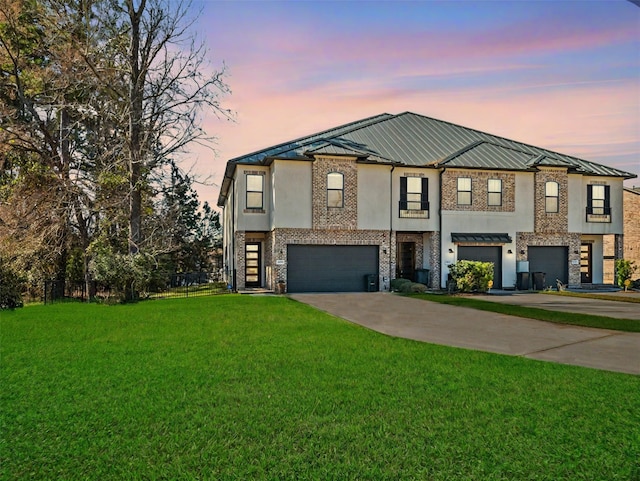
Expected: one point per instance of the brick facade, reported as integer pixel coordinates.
(479, 182)
(570, 240)
(629, 247)
(325, 217)
(283, 237)
(551, 222)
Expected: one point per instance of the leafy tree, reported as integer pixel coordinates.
(96, 99)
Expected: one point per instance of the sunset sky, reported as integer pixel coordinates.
(564, 75)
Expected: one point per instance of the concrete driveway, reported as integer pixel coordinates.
(483, 331)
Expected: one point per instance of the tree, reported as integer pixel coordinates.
(168, 85)
(96, 99)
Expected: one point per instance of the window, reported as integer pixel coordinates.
(598, 203)
(414, 197)
(464, 191)
(551, 190)
(335, 190)
(494, 192)
(255, 187)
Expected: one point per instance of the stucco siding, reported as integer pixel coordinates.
(373, 197)
(292, 194)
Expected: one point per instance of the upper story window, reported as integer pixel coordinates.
(335, 189)
(414, 197)
(551, 195)
(598, 203)
(255, 191)
(494, 192)
(464, 191)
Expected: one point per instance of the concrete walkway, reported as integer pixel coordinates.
(484, 331)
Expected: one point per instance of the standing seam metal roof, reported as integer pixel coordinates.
(416, 140)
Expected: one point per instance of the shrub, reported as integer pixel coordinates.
(397, 284)
(624, 271)
(417, 287)
(11, 287)
(472, 276)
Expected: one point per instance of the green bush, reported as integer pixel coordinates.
(130, 276)
(472, 276)
(11, 287)
(397, 284)
(417, 287)
(624, 270)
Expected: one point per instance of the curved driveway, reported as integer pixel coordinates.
(483, 331)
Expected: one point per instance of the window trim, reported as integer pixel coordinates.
(261, 192)
(460, 191)
(547, 197)
(405, 206)
(498, 192)
(600, 212)
(330, 189)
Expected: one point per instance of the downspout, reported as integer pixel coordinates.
(393, 167)
(440, 226)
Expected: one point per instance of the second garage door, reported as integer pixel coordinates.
(484, 254)
(317, 268)
(552, 260)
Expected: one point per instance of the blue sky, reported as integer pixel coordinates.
(564, 75)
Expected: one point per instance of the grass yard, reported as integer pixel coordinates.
(576, 319)
(240, 387)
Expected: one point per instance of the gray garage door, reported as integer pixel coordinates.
(553, 261)
(484, 254)
(314, 268)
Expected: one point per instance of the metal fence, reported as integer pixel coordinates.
(187, 284)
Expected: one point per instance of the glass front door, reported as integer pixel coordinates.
(252, 268)
(585, 264)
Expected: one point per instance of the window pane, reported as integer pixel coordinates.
(334, 198)
(494, 185)
(254, 200)
(414, 185)
(414, 197)
(494, 198)
(334, 181)
(464, 183)
(551, 189)
(413, 206)
(254, 183)
(551, 204)
(598, 192)
(464, 198)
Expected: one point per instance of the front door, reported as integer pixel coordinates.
(252, 267)
(406, 260)
(585, 264)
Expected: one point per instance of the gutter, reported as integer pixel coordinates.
(393, 167)
(440, 226)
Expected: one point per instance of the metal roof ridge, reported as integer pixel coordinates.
(301, 140)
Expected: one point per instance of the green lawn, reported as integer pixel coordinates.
(576, 319)
(242, 387)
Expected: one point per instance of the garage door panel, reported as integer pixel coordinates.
(316, 268)
(552, 260)
(484, 254)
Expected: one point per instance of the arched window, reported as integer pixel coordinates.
(335, 189)
(551, 192)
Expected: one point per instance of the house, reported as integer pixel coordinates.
(350, 208)
(631, 227)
